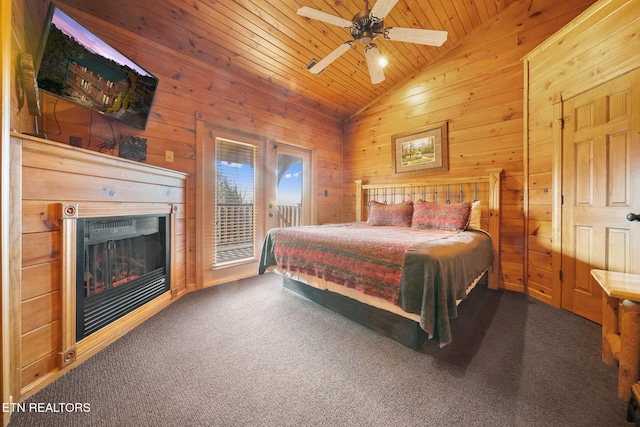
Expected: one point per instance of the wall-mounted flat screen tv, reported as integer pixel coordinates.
(75, 64)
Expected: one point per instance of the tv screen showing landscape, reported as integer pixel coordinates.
(75, 64)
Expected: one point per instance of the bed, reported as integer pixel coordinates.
(413, 254)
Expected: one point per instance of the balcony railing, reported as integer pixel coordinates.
(235, 229)
(234, 232)
(288, 216)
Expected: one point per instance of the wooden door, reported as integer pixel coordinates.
(232, 227)
(601, 186)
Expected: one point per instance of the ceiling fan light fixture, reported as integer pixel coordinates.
(365, 26)
(365, 38)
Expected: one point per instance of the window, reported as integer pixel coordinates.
(235, 204)
(293, 186)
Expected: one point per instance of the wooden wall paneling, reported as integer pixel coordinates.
(39, 216)
(594, 48)
(40, 284)
(179, 277)
(38, 371)
(62, 119)
(562, 13)
(40, 279)
(478, 88)
(40, 310)
(10, 42)
(11, 269)
(41, 342)
(466, 118)
(540, 282)
(40, 248)
(52, 158)
(438, 100)
(68, 184)
(587, 48)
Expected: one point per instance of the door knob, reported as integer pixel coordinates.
(633, 217)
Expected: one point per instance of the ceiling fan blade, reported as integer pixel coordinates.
(376, 72)
(416, 35)
(324, 62)
(381, 9)
(309, 12)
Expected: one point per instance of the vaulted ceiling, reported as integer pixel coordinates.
(268, 41)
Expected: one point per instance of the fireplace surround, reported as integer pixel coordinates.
(54, 187)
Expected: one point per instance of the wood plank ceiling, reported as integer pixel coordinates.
(268, 41)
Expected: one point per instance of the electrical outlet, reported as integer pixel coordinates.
(168, 156)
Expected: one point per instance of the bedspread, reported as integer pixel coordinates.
(422, 271)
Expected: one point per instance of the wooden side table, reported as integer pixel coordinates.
(622, 344)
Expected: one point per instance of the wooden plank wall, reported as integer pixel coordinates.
(598, 48)
(478, 89)
(188, 87)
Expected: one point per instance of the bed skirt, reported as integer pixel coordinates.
(405, 331)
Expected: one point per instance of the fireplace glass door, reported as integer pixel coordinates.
(123, 263)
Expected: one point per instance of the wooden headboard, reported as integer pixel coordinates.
(485, 189)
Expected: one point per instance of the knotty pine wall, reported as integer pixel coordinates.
(598, 48)
(188, 87)
(478, 89)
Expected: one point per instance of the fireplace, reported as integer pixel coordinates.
(122, 263)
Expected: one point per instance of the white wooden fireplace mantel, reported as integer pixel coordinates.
(53, 185)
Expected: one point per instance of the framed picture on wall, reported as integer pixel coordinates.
(422, 150)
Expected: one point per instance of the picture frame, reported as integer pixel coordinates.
(422, 150)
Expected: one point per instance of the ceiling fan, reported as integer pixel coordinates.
(365, 26)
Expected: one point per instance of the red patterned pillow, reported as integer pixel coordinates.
(398, 215)
(453, 216)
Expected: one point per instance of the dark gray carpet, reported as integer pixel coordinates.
(251, 353)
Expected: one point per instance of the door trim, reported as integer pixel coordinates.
(556, 208)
